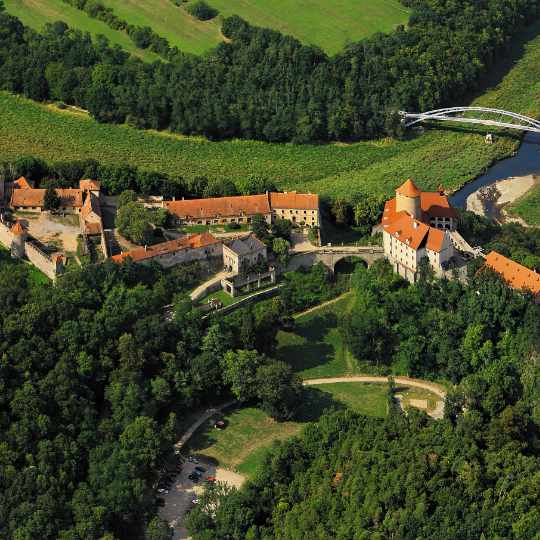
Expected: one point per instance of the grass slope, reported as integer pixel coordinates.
(250, 431)
(450, 157)
(329, 25)
(528, 207)
(173, 23)
(36, 13)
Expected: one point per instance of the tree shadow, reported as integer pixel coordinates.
(499, 69)
(315, 403)
(312, 351)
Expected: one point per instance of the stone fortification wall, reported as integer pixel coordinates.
(104, 245)
(6, 236)
(41, 261)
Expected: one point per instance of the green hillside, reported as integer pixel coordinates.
(333, 170)
(36, 13)
(329, 25)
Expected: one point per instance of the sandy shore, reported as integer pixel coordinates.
(489, 200)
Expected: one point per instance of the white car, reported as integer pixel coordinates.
(163, 491)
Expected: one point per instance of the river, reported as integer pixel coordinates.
(525, 162)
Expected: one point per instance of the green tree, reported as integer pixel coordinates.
(133, 222)
(281, 249)
(260, 227)
(278, 389)
(240, 372)
(51, 200)
(158, 529)
(127, 196)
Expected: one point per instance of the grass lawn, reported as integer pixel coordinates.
(329, 25)
(528, 207)
(36, 13)
(250, 431)
(316, 349)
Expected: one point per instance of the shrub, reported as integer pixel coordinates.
(202, 11)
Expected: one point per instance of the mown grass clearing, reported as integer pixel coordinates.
(329, 25)
(242, 445)
(36, 13)
(171, 22)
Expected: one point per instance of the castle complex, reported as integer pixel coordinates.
(416, 225)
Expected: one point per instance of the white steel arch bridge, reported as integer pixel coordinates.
(495, 117)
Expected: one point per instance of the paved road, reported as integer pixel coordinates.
(436, 389)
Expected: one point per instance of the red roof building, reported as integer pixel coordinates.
(416, 224)
(182, 250)
(516, 275)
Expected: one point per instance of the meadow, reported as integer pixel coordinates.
(36, 13)
(250, 431)
(171, 22)
(329, 25)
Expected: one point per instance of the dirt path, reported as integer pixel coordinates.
(324, 304)
(436, 389)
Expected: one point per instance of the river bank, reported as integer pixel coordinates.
(492, 200)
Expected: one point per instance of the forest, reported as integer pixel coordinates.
(97, 382)
(263, 85)
(472, 475)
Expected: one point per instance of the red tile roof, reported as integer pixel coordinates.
(402, 226)
(436, 205)
(17, 229)
(194, 241)
(36, 197)
(409, 189)
(21, 183)
(293, 200)
(247, 205)
(89, 185)
(515, 274)
(407, 230)
(435, 240)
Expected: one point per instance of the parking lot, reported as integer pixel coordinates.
(182, 491)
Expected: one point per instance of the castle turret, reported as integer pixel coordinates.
(19, 239)
(408, 199)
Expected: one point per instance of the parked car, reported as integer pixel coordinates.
(194, 477)
(195, 501)
(210, 479)
(220, 424)
(162, 491)
(192, 459)
(200, 469)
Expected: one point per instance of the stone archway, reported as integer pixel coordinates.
(347, 265)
